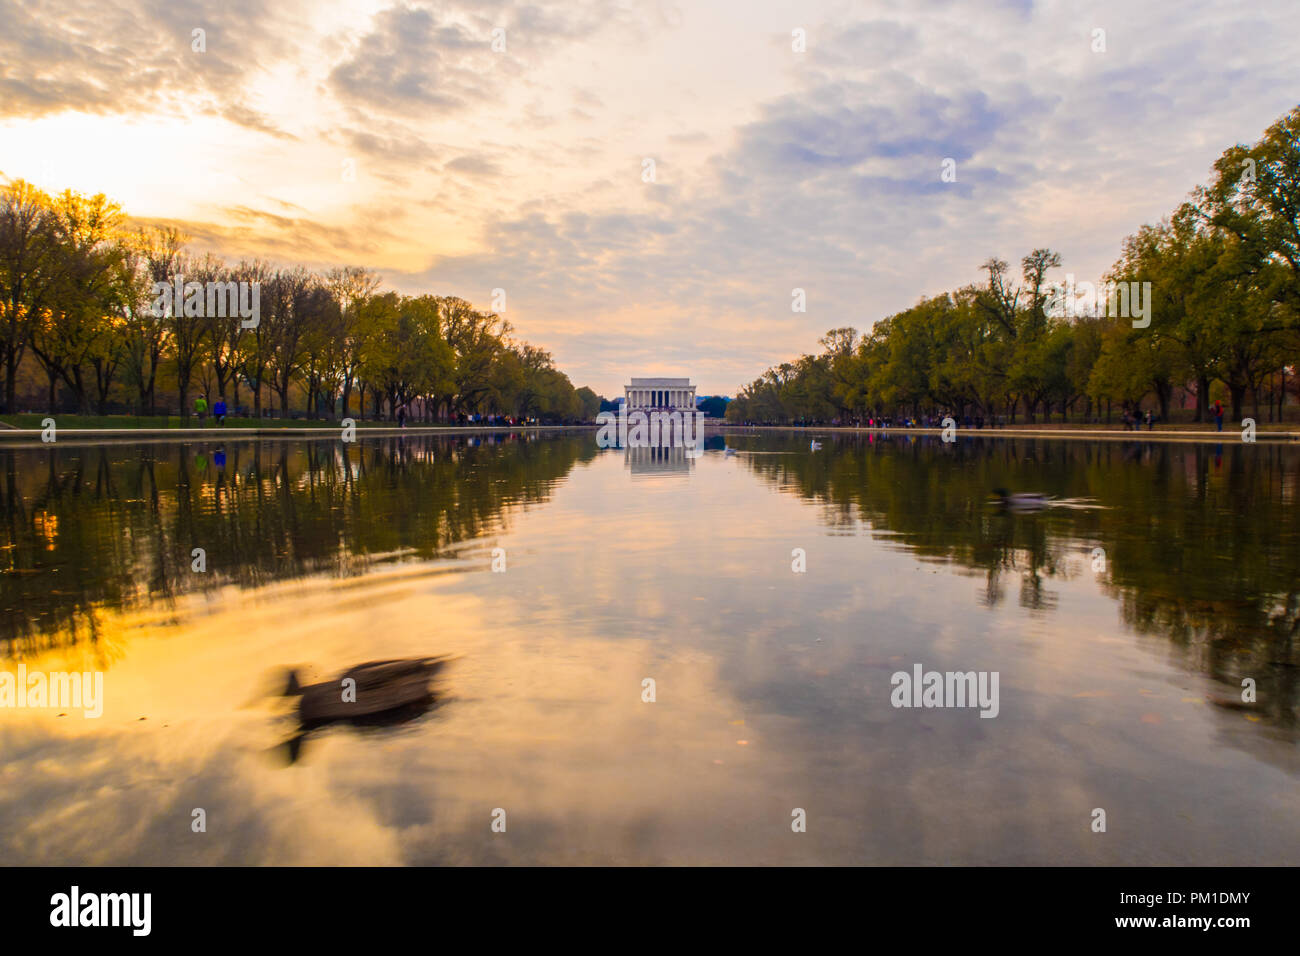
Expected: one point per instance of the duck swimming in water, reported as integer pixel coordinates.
(377, 686)
(380, 694)
(1022, 500)
(816, 446)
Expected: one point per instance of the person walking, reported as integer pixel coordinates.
(219, 411)
(201, 408)
(1218, 415)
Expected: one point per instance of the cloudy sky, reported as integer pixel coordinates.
(394, 136)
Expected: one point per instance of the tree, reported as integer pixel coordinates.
(228, 336)
(355, 290)
(1255, 197)
(588, 404)
(75, 331)
(296, 300)
(27, 271)
(476, 338)
(408, 358)
(154, 255)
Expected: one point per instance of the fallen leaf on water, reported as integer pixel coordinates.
(743, 743)
(1093, 693)
(1151, 719)
(738, 723)
(1251, 717)
(1191, 700)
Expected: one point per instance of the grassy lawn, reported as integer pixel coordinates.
(161, 421)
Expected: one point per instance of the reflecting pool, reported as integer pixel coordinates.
(764, 594)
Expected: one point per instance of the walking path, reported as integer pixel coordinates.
(1066, 432)
(1072, 433)
(326, 434)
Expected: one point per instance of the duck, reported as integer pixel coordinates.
(729, 452)
(387, 693)
(816, 446)
(1022, 500)
(381, 687)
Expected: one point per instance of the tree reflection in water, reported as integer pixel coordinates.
(1200, 540)
(92, 529)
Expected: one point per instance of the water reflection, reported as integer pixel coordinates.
(1196, 551)
(88, 529)
(644, 461)
(772, 686)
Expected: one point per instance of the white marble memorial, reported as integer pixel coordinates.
(660, 395)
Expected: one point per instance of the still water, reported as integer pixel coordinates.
(1119, 686)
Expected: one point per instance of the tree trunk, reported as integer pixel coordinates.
(1202, 398)
(1238, 394)
(11, 379)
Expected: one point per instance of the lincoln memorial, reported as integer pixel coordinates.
(660, 394)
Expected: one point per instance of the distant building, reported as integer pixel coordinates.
(660, 395)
